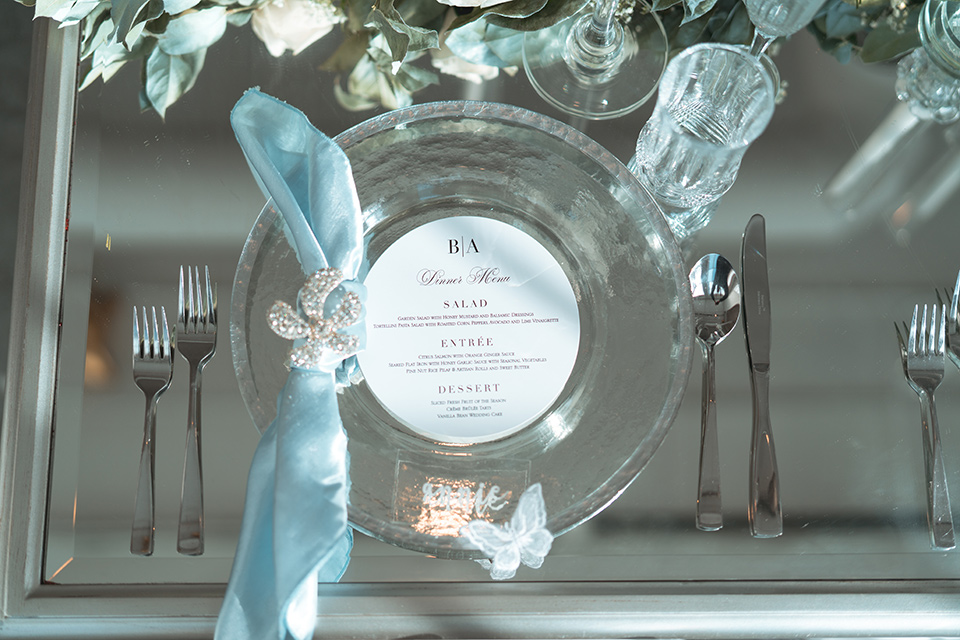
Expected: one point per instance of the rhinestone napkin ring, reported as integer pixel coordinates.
(322, 342)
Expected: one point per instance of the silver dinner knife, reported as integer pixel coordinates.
(763, 512)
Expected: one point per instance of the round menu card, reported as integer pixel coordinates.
(472, 329)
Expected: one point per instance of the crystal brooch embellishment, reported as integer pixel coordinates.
(321, 341)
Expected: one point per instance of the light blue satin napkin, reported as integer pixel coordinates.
(295, 531)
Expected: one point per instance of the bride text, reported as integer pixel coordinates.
(464, 498)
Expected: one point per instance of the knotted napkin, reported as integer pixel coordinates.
(295, 531)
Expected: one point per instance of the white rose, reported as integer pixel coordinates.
(293, 25)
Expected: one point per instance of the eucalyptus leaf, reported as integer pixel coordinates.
(414, 78)
(487, 44)
(517, 8)
(66, 13)
(693, 9)
(886, 43)
(46, 8)
(842, 20)
(104, 72)
(424, 13)
(157, 25)
(513, 10)
(167, 77)
(129, 14)
(239, 18)
(400, 36)
(554, 12)
(95, 30)
(173, 7)
(109, 57)
(734, 28)
(682, 35)
(466, 18)
(378, 54)
(110, 53)
(193, 31)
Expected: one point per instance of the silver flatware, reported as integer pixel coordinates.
(197, 342)
(763, 511)
(716, 310)
(923, 360)
(152, 372)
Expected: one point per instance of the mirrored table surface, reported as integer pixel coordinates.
(148, 195)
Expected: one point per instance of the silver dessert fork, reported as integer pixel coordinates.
(152, 372)
(923, 363)
(196, 341)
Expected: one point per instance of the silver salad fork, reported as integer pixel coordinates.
(197, 342)
(923, 359)
(152, 372)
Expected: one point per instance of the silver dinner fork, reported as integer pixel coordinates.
(152, 372)
(196, 341)
(923, 364)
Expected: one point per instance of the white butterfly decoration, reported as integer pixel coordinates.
(524, 539)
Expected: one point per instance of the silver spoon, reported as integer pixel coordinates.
(716, 309)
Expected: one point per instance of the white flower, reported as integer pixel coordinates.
(294, 25)
(449, 63)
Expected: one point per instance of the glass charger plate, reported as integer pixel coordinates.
(554, 194)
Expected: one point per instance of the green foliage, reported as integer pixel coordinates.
(167, 77)
(382, 40)
(400, 36)
(887, 41)
(873, 31)
(552, 12)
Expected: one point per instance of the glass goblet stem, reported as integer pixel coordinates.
(604, 19)
(760, 43)
(592, 66)
(595, 41)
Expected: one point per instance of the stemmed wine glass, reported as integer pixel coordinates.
(592, 66)
(774, 19)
